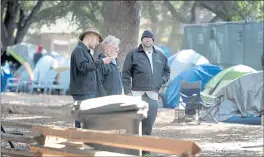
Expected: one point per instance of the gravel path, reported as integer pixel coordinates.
(216, 140)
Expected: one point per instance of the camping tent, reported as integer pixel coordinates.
(44, 64)
(201, 72)
(225, 77)
(57, 62)
(242, 97)
(24, 52)
(185, 59)
(165, 50)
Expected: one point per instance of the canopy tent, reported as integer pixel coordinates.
(242, 97)
(200, 72)
(225, 77)
(185, 59)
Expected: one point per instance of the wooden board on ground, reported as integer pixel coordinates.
(61, 150)
(153, 144)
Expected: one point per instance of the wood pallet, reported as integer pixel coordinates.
(63, 141)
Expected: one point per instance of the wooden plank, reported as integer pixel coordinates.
(17, 124)
(16, 152)
(19, 138)
(61, 150)
(147, 143)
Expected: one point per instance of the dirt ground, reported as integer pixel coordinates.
(215, 140)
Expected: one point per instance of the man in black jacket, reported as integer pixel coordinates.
(83, 78)
(149, 70)
(110, 73)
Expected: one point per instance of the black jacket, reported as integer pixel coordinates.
(137, 67)
(111, 77)
(83, 79)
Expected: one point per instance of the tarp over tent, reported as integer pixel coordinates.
(225, 77)
(242, 97)
(185, 59)
(201, 72)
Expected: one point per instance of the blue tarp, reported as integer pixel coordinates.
(201, 72)
(6, 72)
(251, 120)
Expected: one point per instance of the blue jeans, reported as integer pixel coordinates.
(77, 124)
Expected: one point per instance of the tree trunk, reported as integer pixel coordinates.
(9, 24)
(173, 38)
(122, 19)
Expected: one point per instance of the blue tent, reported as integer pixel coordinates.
(171, 59)
(164, 49)
(200, 72)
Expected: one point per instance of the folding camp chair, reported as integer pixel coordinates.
(13, 83)
(192, 102)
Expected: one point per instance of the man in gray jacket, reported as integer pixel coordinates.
(83, 77)
(148, 69)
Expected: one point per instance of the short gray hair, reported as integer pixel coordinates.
(110, 39)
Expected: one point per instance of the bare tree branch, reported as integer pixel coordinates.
(193, 13)
(214, 19)
(33, 13)
(218, 7)
(174, 13)
(24, 26)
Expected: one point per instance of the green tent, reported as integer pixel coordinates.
(225, 77)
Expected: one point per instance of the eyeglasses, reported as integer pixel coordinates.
(113, 48)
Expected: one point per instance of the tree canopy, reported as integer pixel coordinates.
(164, 17)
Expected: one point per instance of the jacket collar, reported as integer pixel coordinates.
(84, 46)
(140, 48)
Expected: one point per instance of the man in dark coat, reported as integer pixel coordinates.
(110, 73)
(148, 69)
(83, 77)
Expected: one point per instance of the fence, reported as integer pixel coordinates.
(227, 43)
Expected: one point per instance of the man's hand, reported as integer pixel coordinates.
(107, 60)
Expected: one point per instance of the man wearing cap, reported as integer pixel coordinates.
(148, 69)
(83, 77)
